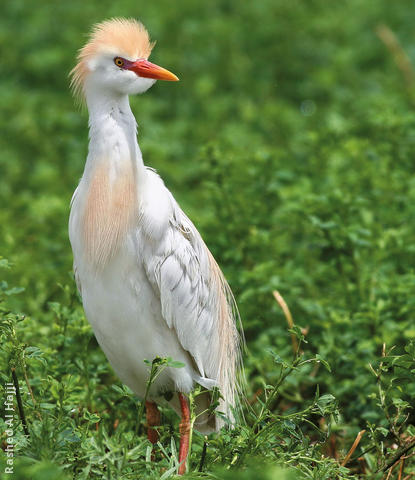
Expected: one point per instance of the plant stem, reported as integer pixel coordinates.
(19, 402)
(203, 456)
(156, 368)
(265, 407)
(192, 422)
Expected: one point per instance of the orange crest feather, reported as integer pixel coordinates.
(124, 37)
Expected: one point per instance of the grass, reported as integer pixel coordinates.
(289, 142)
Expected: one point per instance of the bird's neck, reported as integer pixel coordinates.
(112, 135)
(113, 177)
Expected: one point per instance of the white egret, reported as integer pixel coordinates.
(149, 285)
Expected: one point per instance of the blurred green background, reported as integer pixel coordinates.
(289, 141)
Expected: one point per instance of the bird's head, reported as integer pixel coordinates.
(114, 60)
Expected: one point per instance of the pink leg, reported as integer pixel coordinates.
(153, 420)
(184, 433)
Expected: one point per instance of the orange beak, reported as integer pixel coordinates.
(146, 69)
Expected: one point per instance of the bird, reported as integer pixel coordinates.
(149, 285)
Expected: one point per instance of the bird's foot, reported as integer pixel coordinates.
(184, 433)
(153, 420)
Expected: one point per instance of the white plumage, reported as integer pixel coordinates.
(149, 285)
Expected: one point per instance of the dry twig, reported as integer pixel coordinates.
(395, 458)
(288, 316)
(390, 40)
(353, 447)
(401, 468)
(390, 471)
(255, 396)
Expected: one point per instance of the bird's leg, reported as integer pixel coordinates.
(184, 433)
(153, 420)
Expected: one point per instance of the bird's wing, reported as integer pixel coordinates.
(75, 268)
(77, 279)
(196, 300)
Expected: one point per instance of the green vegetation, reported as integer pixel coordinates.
(290, 142)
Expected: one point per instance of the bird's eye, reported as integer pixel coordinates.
(118, 61)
